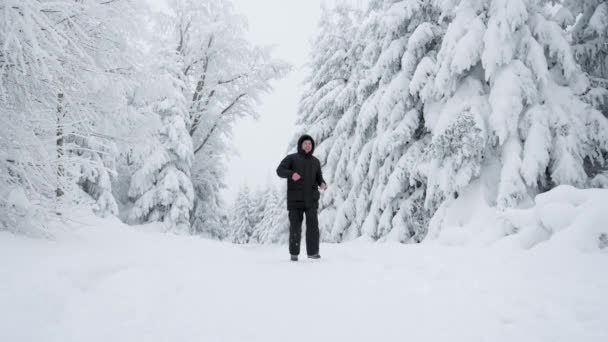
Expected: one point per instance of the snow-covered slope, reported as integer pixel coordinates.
(99, 280)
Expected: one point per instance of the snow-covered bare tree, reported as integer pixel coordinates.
(57, 63)
(30, 61)
(224, 76)
(114, 31)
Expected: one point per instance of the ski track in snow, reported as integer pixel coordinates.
(109, 282)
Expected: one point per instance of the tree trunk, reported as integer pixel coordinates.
(59, 146)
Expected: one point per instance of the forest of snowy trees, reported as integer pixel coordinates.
(457, 151)
(414, 105)
(108, 104)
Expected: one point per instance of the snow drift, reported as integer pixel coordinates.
(563, 218)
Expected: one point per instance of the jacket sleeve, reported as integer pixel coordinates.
(285, 168)
(319, 176)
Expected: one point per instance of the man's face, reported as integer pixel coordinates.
(307, 146)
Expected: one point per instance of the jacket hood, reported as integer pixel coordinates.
(301, 140)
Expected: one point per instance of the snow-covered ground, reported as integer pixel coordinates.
(99, 280)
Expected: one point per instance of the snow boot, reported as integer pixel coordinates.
(294, 258)
(316, 256)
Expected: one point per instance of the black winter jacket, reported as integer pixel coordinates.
(305, 192)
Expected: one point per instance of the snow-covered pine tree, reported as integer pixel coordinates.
(390, 124)
(590, 37)
(161, 187)
(241, 217)
(327, 106)
(590, 44)
(375, 120)
(506, 93)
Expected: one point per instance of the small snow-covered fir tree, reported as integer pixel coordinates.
(274, 226)
(161, 187)
(241, 217)
(258, 207)
(261, 199)
(96, 169)
(276, 220)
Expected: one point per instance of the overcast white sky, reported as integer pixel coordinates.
(289, 26)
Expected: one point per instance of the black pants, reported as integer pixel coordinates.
(295, 230)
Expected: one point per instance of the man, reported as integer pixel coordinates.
(304, 178)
